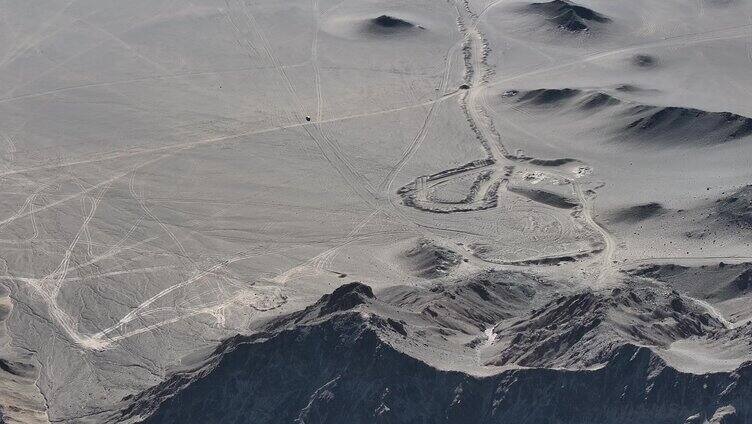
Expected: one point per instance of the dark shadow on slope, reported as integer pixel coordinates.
(556, 334)
(680, 123)
(650, 124)
(552, 162)
(638, 213)
(548, 96)
(545, 197)
(737, 208)
(468, 306)
(715, 283)
(584, 100)
(738, 287)
(428, 260)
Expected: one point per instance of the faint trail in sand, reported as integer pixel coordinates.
(84, 201)
(323, 260)
(28, 204)
(62, 269)
(67, 198)
(8, 95)
(48, 287)
(11, 148)
(315, 60)
(130, 316)
(161, 77)
(36, 38)
(214, 140)
(326, 144)
(414, 145)
(145, 208)
(104, 338)
(248, 43)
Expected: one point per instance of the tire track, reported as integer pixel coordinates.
(315, 60)
(34, 39)
(151, 215)
(386, 184)
(329, 148)
(210, 141)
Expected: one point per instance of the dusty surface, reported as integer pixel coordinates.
(533, 188)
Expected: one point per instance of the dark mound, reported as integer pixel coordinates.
(644, 61)
(548, 96)
(428, 260)
(342, 300)
(568, 16)
(545, 197)
(598, 101)
(681, 123)
(635, 214)
(386, 21)
(346, 297)
(737, 208)
(556, 97)
(385, 25)
(552, 162)
(628, 88)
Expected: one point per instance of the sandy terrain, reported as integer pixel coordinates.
(530, 191)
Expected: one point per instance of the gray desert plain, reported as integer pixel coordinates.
(361, 211)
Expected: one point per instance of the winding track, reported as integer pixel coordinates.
(499, 153)
(607, 272)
